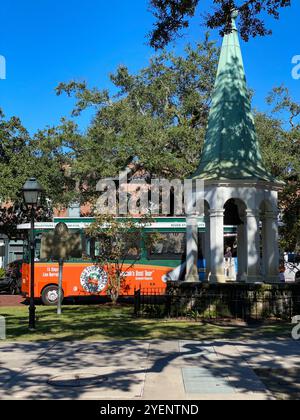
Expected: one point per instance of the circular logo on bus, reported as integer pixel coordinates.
(93, 279)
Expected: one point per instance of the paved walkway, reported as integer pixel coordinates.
(11, 300)
(154, 370)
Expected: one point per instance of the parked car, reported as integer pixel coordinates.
(9, 285)
(12, 281)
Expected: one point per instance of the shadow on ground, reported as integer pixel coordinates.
(243, 362)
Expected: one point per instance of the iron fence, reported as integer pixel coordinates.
(208, 306)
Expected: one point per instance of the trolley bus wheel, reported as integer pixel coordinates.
(50, 295)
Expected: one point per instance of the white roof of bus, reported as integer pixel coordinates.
(84, 224)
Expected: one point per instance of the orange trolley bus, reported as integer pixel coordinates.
(83, 277)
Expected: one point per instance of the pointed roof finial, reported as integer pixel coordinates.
(231, 149)
(234, 14)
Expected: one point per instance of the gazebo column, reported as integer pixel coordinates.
(242, 253)
(217, 246)
(271, 247)
(192, 273)
(207, 251)
(253, 248)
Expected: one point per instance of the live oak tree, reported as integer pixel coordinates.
(43, 156)
(15, 164)
(55, 149)
(287, 152)
(280, 145)
(158, 115)
(14, 156)
(174, 15)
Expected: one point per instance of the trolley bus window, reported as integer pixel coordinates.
(37, 248)
(132, 248)
(75, 242)
(170, 246)
(45, 241)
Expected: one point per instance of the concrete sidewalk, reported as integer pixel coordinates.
(155, 370)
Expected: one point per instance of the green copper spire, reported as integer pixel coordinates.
(231, 149)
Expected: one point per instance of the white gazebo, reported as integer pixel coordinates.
(239, 190)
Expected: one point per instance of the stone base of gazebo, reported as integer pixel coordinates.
(236, 300)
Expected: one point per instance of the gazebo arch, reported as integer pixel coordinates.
(236, 215)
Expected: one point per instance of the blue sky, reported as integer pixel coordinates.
(49, 41)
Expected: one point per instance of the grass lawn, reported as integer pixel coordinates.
(103, 322)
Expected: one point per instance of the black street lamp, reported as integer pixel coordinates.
(32, 191)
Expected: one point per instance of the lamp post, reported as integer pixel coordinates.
(32, 191)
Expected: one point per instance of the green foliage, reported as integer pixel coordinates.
(290, 232)
(153, 311)
(47, 156)
(171, 16)
(54, 151)
(118, 247)
(280, 141)
(16, 163)
(158, 115)
(15, 157)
